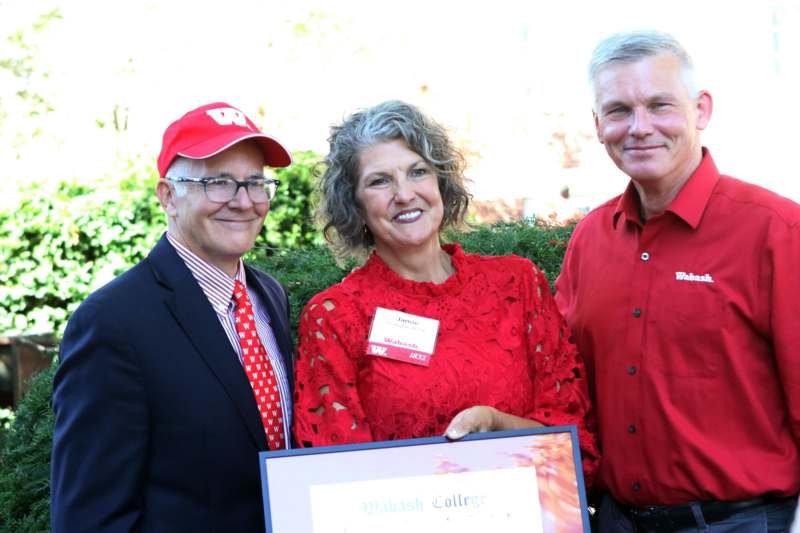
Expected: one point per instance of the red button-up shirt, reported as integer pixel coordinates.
(690, 328)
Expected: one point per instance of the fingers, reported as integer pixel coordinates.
(473, 420)
(457, 428)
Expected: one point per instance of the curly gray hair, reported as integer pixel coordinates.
(342, 218)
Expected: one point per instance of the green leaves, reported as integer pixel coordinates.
(114, 225)
(542, 242)
(65, 240)
(25, 461)
(290, 223)
(305, 272)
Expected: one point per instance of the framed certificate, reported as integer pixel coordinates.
(519, 481)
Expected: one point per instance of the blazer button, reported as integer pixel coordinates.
(637, 313)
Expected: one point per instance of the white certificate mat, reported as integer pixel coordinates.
(526, 481)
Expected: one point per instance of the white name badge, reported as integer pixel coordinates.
(403, 337)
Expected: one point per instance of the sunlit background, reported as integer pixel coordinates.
(507, 78)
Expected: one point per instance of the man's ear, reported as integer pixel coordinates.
(166, 196)
(704, 105)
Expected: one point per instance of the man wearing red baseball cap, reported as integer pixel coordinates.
(176, 374)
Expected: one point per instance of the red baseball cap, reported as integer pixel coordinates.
(212, 128)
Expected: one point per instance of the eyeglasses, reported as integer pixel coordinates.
(222, 190)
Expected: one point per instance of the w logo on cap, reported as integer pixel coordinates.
(227, 116)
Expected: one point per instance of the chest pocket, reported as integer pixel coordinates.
(688, 326)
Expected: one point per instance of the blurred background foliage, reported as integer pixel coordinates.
(22, 81)
(65, 239)
(25, 461)
(542, 241)
(25, 446)
(62, 239)
(290, 223)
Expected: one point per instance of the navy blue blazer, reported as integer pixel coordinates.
(156, 426)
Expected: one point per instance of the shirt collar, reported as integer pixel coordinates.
(216, 284)
(691, 201)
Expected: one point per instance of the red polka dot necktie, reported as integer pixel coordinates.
(258, 368)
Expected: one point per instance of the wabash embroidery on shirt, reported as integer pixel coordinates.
(683, 276)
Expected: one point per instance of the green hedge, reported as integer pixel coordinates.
(539, 241)
(25, 461)
(305, 272)
(25, 447)
(64, 240)
(290, 223)
(61, 241)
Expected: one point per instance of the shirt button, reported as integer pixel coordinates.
(631, 429)
(637, 313)
(636, 487)
(631, 370)
(645, 256)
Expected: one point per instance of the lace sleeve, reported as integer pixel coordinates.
(327, 407)
(562, 395)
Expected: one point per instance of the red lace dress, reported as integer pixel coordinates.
(501, 342)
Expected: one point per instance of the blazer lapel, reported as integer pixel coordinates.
(194, 314)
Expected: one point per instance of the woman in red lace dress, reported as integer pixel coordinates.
(502, 359)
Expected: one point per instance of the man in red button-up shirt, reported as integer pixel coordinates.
(683, 295)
